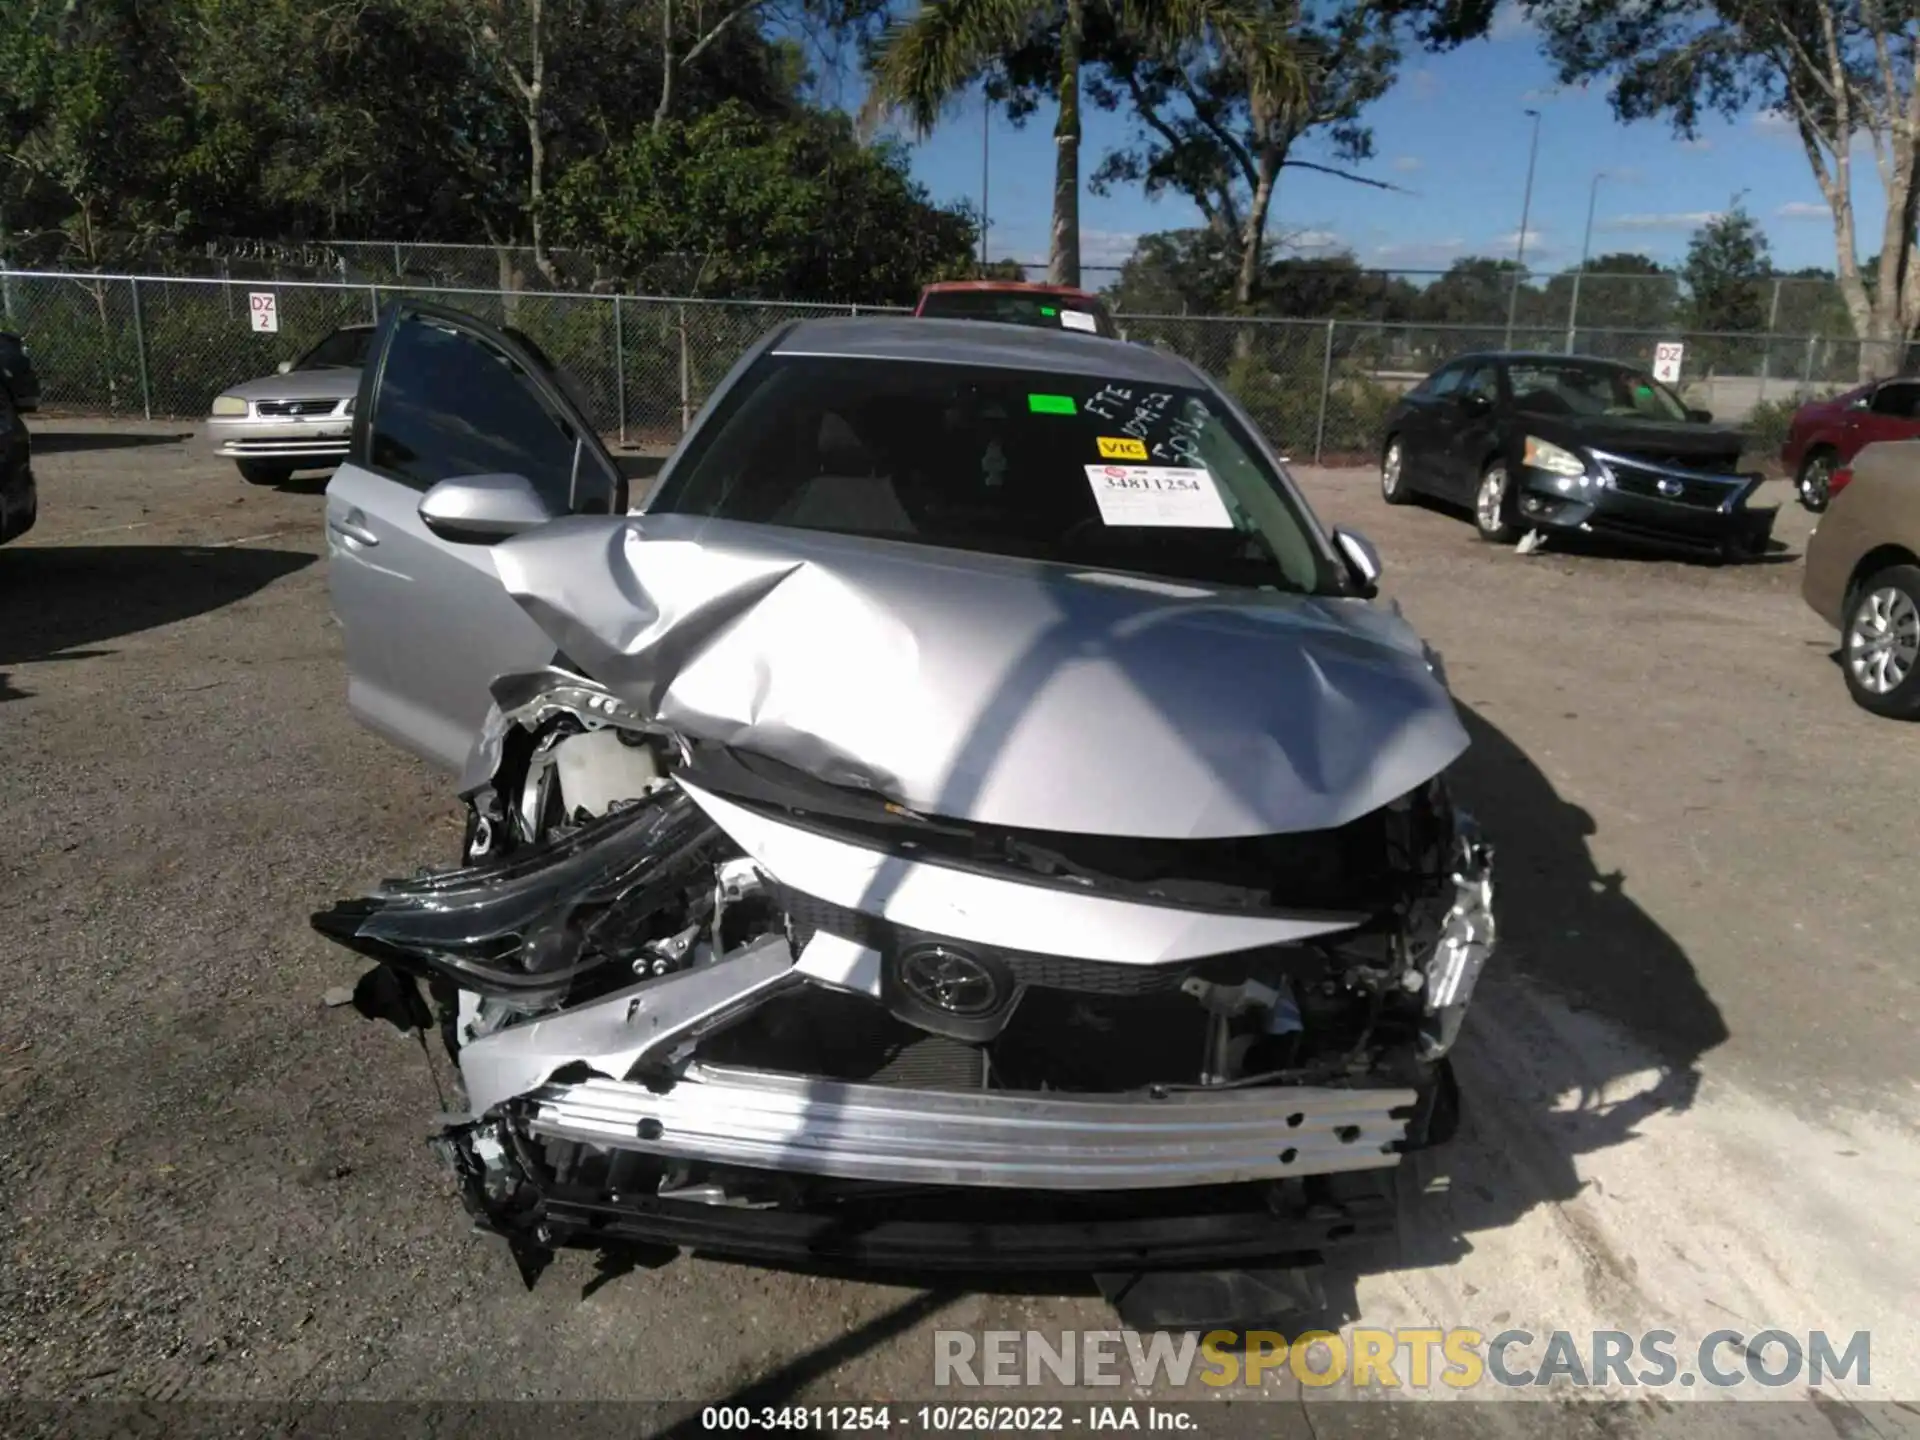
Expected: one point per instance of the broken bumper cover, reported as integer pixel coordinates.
(998, 1139)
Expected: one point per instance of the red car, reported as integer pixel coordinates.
(1826, 435)
(1015, 302)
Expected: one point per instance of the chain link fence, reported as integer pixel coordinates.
(165, 346)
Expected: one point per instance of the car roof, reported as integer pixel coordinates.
(1009, 287)
(910, 338)
(1540, 357)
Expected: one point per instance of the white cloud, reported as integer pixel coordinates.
(1509, 23)
(1107, 247)
(1312, 241)
(1418, 254)
(1803, 210)
(1424, 84)
(1536, 240)
(1673, 220)
(1407, 164)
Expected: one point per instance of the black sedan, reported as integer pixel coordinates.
(19, 501)
(17, 375)
(1567, 443)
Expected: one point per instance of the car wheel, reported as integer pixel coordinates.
(1815, 481)
(1880, 647)
(257, 472)
(1493, 506)
(1393, 480)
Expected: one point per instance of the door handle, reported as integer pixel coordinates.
(352, 527)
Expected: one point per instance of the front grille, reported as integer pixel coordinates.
(1057, 972)
(1633, 478)
(280, 408)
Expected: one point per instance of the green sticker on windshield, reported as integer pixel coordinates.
(1048, 310)
(1051, 404)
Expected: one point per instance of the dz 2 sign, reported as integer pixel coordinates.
(263, 307)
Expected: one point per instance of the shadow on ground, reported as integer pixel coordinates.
(66, 442)
(58, 601)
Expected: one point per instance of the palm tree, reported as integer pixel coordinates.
(929, 58)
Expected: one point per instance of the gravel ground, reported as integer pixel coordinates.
(1691, 1082)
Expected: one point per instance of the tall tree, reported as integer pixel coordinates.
(1202, 130)
(926, 60)
(1620, 291)
(1725, 265)
(1835, 71)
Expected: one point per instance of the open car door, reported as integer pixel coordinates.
(462, 436)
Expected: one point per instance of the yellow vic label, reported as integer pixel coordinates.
(1122, 447)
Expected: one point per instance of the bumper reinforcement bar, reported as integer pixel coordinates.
(1002, 1139)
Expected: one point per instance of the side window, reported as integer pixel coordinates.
(1483, 381)
(451, 404)
(1443, 382)
(1897, 399)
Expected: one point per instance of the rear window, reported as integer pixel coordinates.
(343, 349)
(1152, 479)
(1054, 312)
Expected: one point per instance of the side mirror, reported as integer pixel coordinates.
(1361, 557)
(479, 509)
(283, 367)
(1475, 404)
(1700, 417)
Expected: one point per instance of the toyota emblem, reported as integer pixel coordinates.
(949, 980)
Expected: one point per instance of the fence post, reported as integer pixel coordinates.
(140, 352)
(373, 303)
(1806, 379)
(686, 411)
(620, 366)
(398, 269)
(1326, 384)
(1573, 311)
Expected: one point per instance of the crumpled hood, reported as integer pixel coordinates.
(994, 690)
(331, 383)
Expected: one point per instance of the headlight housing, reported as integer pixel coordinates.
(229, 406)
(1552, 458)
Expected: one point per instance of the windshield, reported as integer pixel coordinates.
(1551, 387)
(343, 349)
(1014, 307)
(1157, 480)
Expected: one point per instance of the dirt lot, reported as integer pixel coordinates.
(1690, 1085)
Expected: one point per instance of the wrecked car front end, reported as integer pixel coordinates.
(760, 947)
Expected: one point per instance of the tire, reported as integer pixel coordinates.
(1393, 479)
(1813, 482)
(259, 472)
(1493, 505)
(1880, 643)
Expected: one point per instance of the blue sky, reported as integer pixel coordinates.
(1452, 132)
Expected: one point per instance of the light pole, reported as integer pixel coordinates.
(1526, 212)
(986, 132)
(1586, 241)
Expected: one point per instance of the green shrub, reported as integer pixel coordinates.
(1769, 422)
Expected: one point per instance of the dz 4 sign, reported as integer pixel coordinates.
(1666, 362)
(263, 307)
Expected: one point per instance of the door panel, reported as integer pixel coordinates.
(1469, 433)
(1421, 428)
(1890, 415)
(427, 626)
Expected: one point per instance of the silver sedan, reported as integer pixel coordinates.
(299, 418)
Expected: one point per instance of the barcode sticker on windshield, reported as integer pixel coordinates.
(1079, 320)
(1157, 495)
